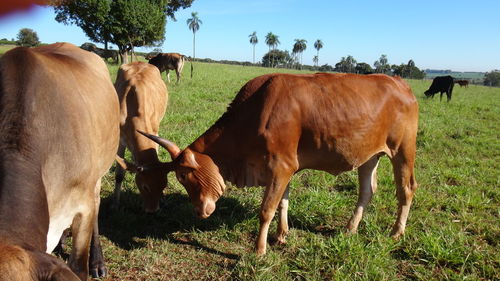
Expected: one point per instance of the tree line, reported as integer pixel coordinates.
(293, 59)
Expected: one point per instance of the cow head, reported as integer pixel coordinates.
(151, 180)
(156, 61)
(428, 94)
(197, 173)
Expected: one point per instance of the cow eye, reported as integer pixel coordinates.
(182, 177)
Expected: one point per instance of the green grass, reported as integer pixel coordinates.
(453, 229)
(452, 233)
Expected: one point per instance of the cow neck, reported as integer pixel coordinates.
(227, 142)
(24, 218)
(218, 144)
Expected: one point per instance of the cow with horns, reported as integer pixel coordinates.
(279, 124)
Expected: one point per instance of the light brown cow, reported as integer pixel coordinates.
(58, 136)
(279, 124)
(143, 100)
(169, 61)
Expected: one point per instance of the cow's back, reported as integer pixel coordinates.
(59, 114)
(441, 83)
(143, 101)
(345, 119)
(331, 122)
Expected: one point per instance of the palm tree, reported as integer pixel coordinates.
(194, 25)
(318, 45)
(315, 60)
(253, 41)
(272, 41)
(299, 47)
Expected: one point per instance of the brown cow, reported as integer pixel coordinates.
(143, 100)
(279, 124)
(58, 136)
(168, 61)
(463, 83)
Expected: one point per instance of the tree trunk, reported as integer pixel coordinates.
(123, 54)
(253, 53)
(194, 53)
(133, 56)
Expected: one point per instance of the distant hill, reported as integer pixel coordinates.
(473, 77)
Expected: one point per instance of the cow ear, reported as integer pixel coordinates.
(189, 159)
(128, 166)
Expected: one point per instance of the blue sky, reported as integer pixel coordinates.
(458, 35)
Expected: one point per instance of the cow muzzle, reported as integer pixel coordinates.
(205, 210)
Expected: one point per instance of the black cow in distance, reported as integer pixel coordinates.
(441, 84)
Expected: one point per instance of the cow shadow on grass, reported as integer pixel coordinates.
(328, 227)
(126, 226)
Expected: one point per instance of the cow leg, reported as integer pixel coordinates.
(272, 196)
(168, 75)
(178, 75)
(283, 218)
(406, 185)
(97, 267)
(119, 177)
(81, 229)
(367, 175)
(448, 93)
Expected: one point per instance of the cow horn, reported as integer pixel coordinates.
(171, 147)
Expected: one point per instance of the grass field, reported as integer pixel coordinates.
(453, 229)
(452, 233)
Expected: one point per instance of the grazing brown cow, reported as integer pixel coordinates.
(143, 100)
(59, 133)
(463, 83)
(169, 61)
(279, 124)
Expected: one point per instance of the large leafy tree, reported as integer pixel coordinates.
(363, 68)
(276, 58)
(346, 64)
(492, 78)
(126, 23)
(408, 70)
(253, 40)
(27, 37)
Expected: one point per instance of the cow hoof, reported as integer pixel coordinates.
(351, 229)
(280, 240)
(396, 233)
(99, 272)
(260, 253)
